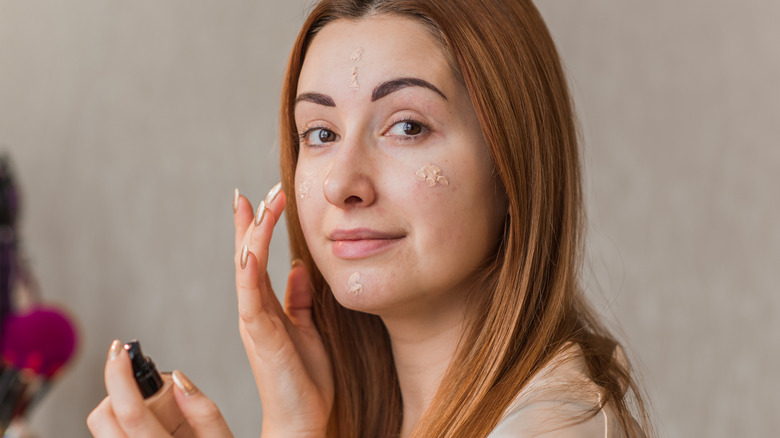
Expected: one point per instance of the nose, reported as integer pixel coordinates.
(349, 183)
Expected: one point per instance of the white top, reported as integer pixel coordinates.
(555, 399)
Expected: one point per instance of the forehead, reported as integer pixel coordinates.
(389, 46)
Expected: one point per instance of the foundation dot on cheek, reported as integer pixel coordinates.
(303, 189)
(355, 288)
(431, 174)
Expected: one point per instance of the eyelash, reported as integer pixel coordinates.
(425, 130)
(303, 136)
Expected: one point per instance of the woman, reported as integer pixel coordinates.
(435, 219)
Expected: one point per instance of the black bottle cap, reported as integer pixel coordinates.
(146, 375)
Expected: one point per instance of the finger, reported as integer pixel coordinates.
(260, 232)
(102, 422)
(126, 401)
(298, 298)
(201, 413)
(242, 217)
(258, 308)
(246, 218)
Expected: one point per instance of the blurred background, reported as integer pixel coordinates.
(130, 123)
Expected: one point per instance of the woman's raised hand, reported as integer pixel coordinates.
(289, 362)
(123, 412)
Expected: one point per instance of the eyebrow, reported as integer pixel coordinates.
(394, 85)
(317, 98)
(379, 92)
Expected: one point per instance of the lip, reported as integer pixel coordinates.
(358, 243)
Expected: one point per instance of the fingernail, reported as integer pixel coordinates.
(184, 383)
(244, 256)
(260, 213)
(235, 200)
(273, 193)
(297, 262)
(116, 347)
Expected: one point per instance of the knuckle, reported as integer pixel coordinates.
(97, 416)
(130, 416)
(93, 420)
(246, 317)
(208, 412)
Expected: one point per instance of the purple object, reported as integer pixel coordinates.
(42, 340)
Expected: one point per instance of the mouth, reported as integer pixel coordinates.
(360, 243)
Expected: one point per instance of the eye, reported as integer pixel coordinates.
(407, 128)
(318, 136)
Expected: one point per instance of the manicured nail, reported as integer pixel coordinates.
(273, 193)
(235, 200)
(297, 262)
(244, 256)
(116, 347)
(261, 209)
(184, 383)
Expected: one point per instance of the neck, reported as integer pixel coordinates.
(422, 350)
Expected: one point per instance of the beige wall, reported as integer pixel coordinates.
(131, 122)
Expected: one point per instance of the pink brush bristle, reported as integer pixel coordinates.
(41, 340)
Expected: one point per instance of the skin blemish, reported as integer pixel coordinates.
(431, 175)
(355, 288)
(303, 188)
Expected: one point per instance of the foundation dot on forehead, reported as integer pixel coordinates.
(354, 80)
(355, 288)
(431, 174)
(356, 54)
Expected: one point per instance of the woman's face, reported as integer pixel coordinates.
(394, 184)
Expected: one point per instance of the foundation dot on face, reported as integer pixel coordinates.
(355, 288)
(356, 54)
(431, 174)
(354, 82)
(303, 189)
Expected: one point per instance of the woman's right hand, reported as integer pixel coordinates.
(289, 362)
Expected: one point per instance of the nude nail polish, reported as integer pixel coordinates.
(113, 352)
(157, 390)
(185, 384)
(235, 200)
(261, 209)
(244, 256)
(273, 193)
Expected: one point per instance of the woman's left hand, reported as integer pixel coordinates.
(123, 412)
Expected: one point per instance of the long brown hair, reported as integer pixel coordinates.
(530, 305)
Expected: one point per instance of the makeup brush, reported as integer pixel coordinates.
(35, 346)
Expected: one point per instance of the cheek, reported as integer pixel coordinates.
(306, 199)
(453, 207)
(303, 188)
(432, 175)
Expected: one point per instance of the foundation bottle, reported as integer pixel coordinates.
(157, 390)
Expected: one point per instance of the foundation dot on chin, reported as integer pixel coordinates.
(355, 288)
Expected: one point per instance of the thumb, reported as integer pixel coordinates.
(298, 299)
(200, 412)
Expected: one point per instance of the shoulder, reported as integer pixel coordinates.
(560, 401)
